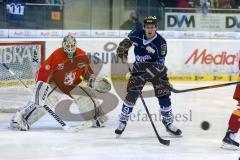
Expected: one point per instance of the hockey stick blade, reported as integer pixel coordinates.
(83, 125)
(205, 87)
(67, 128)
(160, 139)
(164, 142)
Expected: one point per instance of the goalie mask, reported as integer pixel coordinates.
(69, 45)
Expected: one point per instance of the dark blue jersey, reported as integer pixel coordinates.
(153, 50)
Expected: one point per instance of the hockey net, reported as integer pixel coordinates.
(24, 59)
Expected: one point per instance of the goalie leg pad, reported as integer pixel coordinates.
(35, 115)
(26, 116)
(41, 92)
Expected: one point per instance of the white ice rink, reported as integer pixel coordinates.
(47, 141)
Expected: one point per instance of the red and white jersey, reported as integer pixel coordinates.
(66, 73)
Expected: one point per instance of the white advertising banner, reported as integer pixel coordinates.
(172, 33)
(21, 33)
(104, 33)
(203, 56)
(77, 33)
(192, 56)
(202, 22)
(4, 33)
(49, 33)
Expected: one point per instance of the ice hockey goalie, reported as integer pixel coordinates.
(63, 70)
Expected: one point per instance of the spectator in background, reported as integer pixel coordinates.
(225, 4)
(132, 23)
(168, 3)
(237, 3)
(204, 5)
(182, 3)
(60, 2)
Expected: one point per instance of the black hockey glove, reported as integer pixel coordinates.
(122, 50)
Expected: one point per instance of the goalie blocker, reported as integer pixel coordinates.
(65, 69)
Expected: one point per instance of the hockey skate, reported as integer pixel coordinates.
(99, 122)
(172, 130)
(18, 122)
(120, 129)
(229, 142)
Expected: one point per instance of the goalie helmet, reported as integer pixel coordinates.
(69, 45)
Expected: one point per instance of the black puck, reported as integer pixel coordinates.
(205, 125)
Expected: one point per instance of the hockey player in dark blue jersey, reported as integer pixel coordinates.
(150, 50)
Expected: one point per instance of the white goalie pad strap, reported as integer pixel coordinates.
(41, 92)
(32, 112)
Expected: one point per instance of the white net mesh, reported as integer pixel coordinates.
(24, 59)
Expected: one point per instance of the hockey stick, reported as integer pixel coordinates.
(160, 139)
(205, 87)
(63, 124)
(96, 112)
(49, 110)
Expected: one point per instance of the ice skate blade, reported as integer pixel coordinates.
(229, 147)
(175, 136)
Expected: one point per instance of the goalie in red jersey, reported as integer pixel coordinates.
(64, 69)
(233, 124)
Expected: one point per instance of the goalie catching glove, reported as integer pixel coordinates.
(101, 85)
(122, 50)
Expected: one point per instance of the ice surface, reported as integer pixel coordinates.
(47, 141)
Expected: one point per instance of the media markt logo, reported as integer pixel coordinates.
(204, 57)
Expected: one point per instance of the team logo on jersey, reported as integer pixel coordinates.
(81, 65)
(142, 58)
(60, 66)
(69, 78)
(163, 49)
(150, 49)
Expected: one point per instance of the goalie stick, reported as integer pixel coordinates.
(204, 87)
(65, 127)
(96, 111)
(160, 139)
